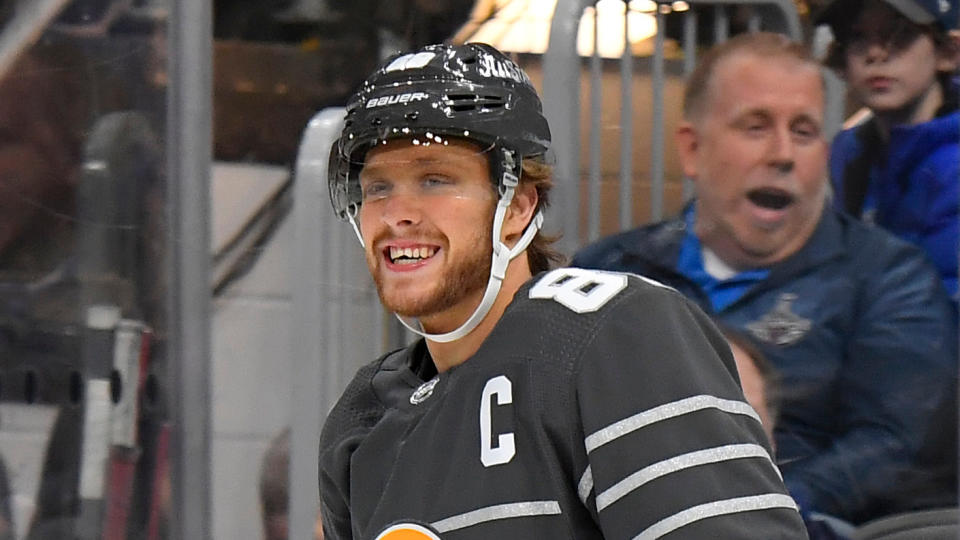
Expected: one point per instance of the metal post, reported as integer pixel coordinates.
(339, 323)
(753, 23)
(721, 24)
(596, 110)
(318, 382)
(657, 168)
(689, 63)
(189, 106)
(561, 105)
(626, 125)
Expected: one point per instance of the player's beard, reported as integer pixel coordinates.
(463, 276)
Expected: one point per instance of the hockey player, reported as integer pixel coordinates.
(538, 404)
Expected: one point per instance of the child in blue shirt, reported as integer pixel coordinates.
(900, 168)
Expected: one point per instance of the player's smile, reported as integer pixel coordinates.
(405, 256)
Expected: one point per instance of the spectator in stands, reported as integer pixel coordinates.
(758, 378)
(275, 490)
(855, 320)
(900, 168)
(275, 487)
(38, 157)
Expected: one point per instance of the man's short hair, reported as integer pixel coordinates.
(762, 44)
(769, 374)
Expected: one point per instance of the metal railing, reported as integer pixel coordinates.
(336, 311)
(563, 72)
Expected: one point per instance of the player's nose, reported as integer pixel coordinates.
(402, 209)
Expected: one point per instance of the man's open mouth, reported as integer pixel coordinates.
(410, 255)
(770, 198)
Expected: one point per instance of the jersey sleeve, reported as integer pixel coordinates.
(673, 450)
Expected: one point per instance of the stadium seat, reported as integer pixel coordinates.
(940, 524)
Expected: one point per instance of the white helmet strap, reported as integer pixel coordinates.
(352, 218)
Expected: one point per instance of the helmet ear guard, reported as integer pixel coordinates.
(338, 186)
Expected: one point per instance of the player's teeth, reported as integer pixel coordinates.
(423, 252)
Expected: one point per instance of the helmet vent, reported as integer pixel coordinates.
(473, 102)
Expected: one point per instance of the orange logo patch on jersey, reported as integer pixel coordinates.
(407, 531)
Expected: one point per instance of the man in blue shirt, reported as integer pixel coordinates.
(855, 320)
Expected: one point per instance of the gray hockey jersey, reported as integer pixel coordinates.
(602, 405)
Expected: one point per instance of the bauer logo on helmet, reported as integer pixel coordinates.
(407, 97)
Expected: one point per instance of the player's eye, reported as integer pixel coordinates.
(437, 183)
(375, 190)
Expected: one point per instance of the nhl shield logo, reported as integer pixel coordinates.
(781, 326)
(407, 531)
(423, 391)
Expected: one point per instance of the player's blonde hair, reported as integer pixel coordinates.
(541, 255)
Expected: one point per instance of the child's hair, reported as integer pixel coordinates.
(768, 373)
(836, 57)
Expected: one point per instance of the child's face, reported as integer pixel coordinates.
(891, 63)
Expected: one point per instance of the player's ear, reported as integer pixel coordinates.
(687, 143)
(520, 212)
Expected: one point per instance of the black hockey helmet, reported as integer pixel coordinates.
(470, 92)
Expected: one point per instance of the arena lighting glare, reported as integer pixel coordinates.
(523, 26)
(610, 26)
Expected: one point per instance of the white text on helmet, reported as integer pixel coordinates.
(491, 67)
(396, 98)
(410, 61)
